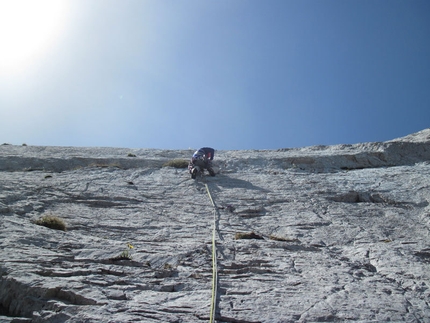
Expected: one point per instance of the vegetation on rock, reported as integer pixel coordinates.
(176, 163)
(52, 222)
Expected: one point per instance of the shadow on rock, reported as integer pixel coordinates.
(229, 182)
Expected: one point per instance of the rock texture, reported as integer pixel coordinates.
(335, 233)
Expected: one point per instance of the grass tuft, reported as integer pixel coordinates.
(52, 222)
(177, 163)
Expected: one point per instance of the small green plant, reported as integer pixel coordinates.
(131, 155)
(52, 222)
(247, 235)
(127, 252)
(177, 163)
(125, 255)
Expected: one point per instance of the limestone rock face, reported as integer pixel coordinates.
(322, 233)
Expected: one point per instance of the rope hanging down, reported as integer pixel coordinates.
(214, 262)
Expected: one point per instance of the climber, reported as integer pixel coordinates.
(201, 159)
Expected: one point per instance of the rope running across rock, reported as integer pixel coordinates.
(214, 261)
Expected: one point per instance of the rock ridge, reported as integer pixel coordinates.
(402, 151)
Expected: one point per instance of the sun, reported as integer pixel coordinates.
(27, 30)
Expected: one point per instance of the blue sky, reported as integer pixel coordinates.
(231, 74)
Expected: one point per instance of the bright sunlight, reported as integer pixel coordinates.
(27, 30)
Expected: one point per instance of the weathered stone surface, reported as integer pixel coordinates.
(340, 233)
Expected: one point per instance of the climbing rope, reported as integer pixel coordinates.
(214, 262)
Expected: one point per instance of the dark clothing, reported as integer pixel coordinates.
(206, 152)
(201, 160)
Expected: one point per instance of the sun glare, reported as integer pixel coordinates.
(27, 30)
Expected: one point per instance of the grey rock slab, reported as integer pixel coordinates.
(335, 233)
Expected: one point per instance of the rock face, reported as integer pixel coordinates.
(323, 233)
